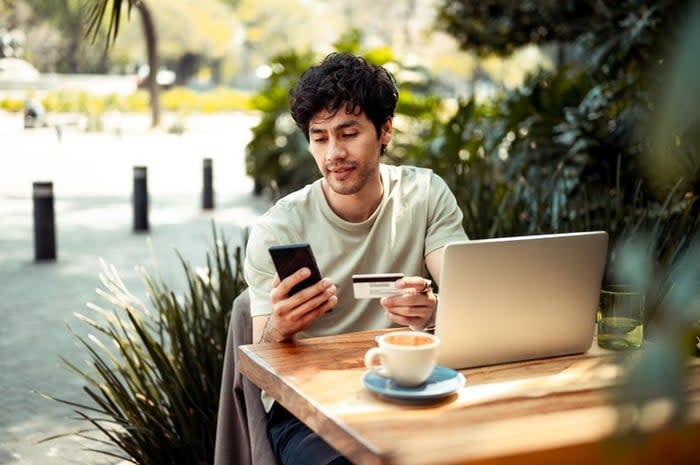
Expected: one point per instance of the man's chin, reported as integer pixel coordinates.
(342, 188)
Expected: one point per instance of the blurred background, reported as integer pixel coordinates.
(542, 116)
(231, 43)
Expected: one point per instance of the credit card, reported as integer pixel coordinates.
(375, 286)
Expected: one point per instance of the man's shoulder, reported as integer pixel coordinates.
(299, 197)
(407, 171)
(291, 205)
(410, 177)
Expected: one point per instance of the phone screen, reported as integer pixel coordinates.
(289, 258)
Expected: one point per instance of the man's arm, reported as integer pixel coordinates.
(433, 261)
(416, 307)
(259, 323)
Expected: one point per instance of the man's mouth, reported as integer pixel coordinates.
(340, 172)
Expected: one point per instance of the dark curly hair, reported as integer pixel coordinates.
(344, 80)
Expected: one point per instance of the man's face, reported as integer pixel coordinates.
(347, 149)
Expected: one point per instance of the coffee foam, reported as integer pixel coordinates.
(408, 340)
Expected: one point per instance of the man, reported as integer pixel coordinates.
(360, 217)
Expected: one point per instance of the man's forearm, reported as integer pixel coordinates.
(263, 331)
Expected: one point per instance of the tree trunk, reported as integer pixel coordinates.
(149, 32)
(561, 54)
(72, 58)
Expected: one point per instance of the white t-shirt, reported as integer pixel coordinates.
(417, 215)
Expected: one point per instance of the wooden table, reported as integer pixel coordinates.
(542, 411)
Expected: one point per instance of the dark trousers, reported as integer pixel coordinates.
(295, 444)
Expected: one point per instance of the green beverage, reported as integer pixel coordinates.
(620, 333)
(620, 318)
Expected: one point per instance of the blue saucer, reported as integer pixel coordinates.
(442, 382)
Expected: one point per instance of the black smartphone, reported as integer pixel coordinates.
(289, 258)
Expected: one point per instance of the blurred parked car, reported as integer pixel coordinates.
(34, 115)
(16, 69)
(164, 77)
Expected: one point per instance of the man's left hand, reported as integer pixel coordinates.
(415, 307)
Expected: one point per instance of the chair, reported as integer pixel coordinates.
(241, 435)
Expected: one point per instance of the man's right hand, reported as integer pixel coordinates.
(291, 314)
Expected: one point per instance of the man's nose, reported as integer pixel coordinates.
(336, 150)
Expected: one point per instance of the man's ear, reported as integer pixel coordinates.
(386, 131)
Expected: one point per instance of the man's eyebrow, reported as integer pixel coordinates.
(341, 126)
(346, 124)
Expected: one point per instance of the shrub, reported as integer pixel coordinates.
(178, 99)
(217, 100)
(156, 375)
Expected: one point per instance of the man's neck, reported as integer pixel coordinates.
(355, 208)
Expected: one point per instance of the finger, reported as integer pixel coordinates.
(410, 297)
(305, 301)
(302, 305)
(314, 289)
(286, 285)
(300, 320)
(321, 309)
(276, 280)
(405, 321)
(411, 311)
(329, 305)
(418, 283)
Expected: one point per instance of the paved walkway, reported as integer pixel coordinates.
(92, 176)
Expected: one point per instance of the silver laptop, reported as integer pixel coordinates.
(519, 298)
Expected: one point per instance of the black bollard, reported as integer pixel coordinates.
(208, 192)
(140, 199)
(44, 225)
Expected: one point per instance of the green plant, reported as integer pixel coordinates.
(155, 375)
(665, 262)
(212, 101)
(177, 99)
(276, 156)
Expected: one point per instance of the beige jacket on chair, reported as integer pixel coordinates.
(241, 435)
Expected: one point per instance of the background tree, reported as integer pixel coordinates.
(51, 35)
(99, 11)
(210, 30)
(580, 121)
(500, 27)
(67, 16)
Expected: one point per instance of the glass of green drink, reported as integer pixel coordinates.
(620, 318)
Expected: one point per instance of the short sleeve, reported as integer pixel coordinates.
(259, 270)
(444, 217)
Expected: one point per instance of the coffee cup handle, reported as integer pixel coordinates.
(370, 358)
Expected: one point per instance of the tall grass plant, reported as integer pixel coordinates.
(155, 371)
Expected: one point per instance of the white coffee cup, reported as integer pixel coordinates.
(406, 357)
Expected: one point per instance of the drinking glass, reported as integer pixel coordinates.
(620, 318)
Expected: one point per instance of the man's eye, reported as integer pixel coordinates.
(350, 134)
(319, 140)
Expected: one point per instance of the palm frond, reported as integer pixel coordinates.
(98, 10)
